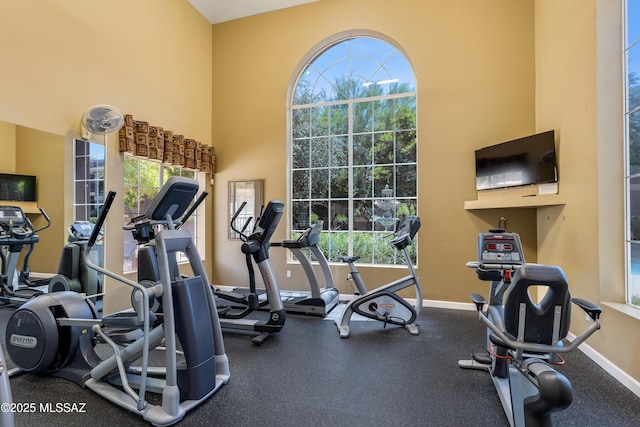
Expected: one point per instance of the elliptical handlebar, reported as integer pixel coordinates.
(192, 208)
(235, 216)
(97, 228)
(135, 219)
(142, 226)
(46, 217)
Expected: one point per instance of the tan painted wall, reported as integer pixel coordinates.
(36, 151)
(149, 58)
(579, 93)
(484, 75)
(8, 144)
(474, 66)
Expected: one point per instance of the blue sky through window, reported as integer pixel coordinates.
(368, 60)
(633, 17)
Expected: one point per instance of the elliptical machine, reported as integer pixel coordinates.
(56, 333)
(524, 338)
(237, 304)
(16, 233)
(73, 272)
(383, 303)
(6, 417)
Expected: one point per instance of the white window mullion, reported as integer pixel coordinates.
(350, 165)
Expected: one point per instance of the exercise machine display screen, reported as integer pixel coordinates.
(11, 215)
(500, 248)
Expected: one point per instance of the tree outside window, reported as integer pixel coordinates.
(354, 148)
(142, 181)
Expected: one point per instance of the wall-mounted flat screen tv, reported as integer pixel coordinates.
(524, 161)
(17, 188)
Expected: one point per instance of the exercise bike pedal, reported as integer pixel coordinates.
(480, 360)
(482, 356)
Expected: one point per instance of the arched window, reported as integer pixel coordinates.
(353, 147)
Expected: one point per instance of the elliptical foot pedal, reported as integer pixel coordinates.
(413, 328)
(223, 309)
(260, 338)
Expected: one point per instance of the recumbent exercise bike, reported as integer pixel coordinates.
(524, 338)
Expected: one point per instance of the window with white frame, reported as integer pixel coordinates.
(142, 181)
(632, 145)
(88, 180)
(353, 148)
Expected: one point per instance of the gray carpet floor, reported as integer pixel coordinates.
(306, 375)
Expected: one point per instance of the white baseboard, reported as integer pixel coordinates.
(625, 379)
(621, 376)
(427, 303)
(467, 306)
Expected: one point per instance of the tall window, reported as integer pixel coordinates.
(88, 179)
(142, 181)
(353, 147)
(632, 142)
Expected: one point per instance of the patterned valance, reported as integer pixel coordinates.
(155, 143)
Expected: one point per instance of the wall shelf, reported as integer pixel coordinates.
(516, 202)
(27, 207)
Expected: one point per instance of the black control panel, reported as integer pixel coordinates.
(500, 248)
(11, 216)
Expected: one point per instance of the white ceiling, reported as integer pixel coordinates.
(217, 11)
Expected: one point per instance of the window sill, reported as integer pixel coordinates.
(627, 309)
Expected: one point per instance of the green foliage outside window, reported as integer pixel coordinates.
(354, 149)
(142, 181)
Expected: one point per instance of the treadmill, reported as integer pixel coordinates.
(318, 300)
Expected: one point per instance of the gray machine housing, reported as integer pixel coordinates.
(56, 333)
(524, 336)
(383, 303)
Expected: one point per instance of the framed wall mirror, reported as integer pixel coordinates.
(245, 203)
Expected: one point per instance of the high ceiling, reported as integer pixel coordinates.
(217, 11)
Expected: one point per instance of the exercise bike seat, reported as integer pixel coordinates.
(347, 258)
(500, 342)
(539, 316)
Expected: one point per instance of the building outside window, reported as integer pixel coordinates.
(88, 179)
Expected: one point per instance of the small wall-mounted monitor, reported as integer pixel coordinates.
(524, 161)
(17, 188)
